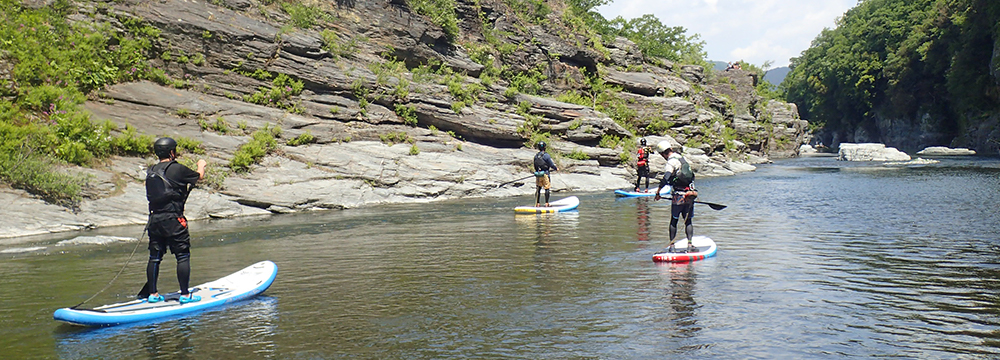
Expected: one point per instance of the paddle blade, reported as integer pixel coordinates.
(716, 206)
(144, 293)
(713, 206)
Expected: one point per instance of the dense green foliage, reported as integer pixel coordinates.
(901, 58)
(47, 68)
(304, 138)
(655, 39)
(302, 16)
(441, 12)
(262, 142)
(279, 95)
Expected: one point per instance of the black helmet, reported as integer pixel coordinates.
(541, 145)
(163, 146)
(642, 141)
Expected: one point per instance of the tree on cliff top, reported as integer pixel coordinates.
(654, 38)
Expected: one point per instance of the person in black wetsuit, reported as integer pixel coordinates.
(168, 184)
(543, 165)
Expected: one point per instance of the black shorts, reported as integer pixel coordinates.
(643, 171)
(169, 231)
(685, 209)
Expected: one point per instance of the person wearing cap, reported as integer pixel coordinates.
(168, 184)
(679, 176)
(543, 165)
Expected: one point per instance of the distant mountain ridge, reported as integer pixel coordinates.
(777, 75)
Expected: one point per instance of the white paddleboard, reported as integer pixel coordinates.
(561, 205)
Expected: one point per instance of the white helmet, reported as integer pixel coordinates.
(663, 146)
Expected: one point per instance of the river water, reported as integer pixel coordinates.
(817, 259)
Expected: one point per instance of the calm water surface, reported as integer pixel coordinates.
(817, 259)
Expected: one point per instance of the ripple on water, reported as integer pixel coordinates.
(817, 259)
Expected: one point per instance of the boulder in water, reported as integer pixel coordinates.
(870, 152)
(945, 151)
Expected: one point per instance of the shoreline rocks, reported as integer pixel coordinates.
(343, 176)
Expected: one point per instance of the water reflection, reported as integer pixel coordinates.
(233, 331)
(642, 218)
(544, 224)
(169, 341)
(682, 318)
(543, 229)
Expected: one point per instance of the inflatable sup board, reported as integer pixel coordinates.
(648, 192)
(705, 249)
(237, 286)
(565, 204)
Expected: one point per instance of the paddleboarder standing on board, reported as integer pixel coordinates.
(168, 184)
(642, 164)
(679, 176)
(543, 165)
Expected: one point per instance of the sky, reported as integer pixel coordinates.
(754, 31)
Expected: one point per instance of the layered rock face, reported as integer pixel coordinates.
(402, 112)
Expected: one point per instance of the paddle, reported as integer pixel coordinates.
(714, 206)
(711, 205)
(144, 293)
(513, 181)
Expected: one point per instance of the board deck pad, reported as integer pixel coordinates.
(706, 248)
(565, 204)
(237, 286)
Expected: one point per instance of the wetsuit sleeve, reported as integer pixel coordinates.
(666, 175)
(552, 165)
(667, 172)
(182, 175)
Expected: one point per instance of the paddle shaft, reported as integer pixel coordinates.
(513, 181)
(714, 206)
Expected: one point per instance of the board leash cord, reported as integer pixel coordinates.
(120, 271)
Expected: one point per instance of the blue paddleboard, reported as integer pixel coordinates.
(649, 192)
(237, 286)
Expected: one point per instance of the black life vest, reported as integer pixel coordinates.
(164, 195)
(540, 163)
(682, 178)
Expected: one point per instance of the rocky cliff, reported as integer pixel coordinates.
(372, 102)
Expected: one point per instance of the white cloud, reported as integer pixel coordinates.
(751, 30)
(712, 4)
(761, 49)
